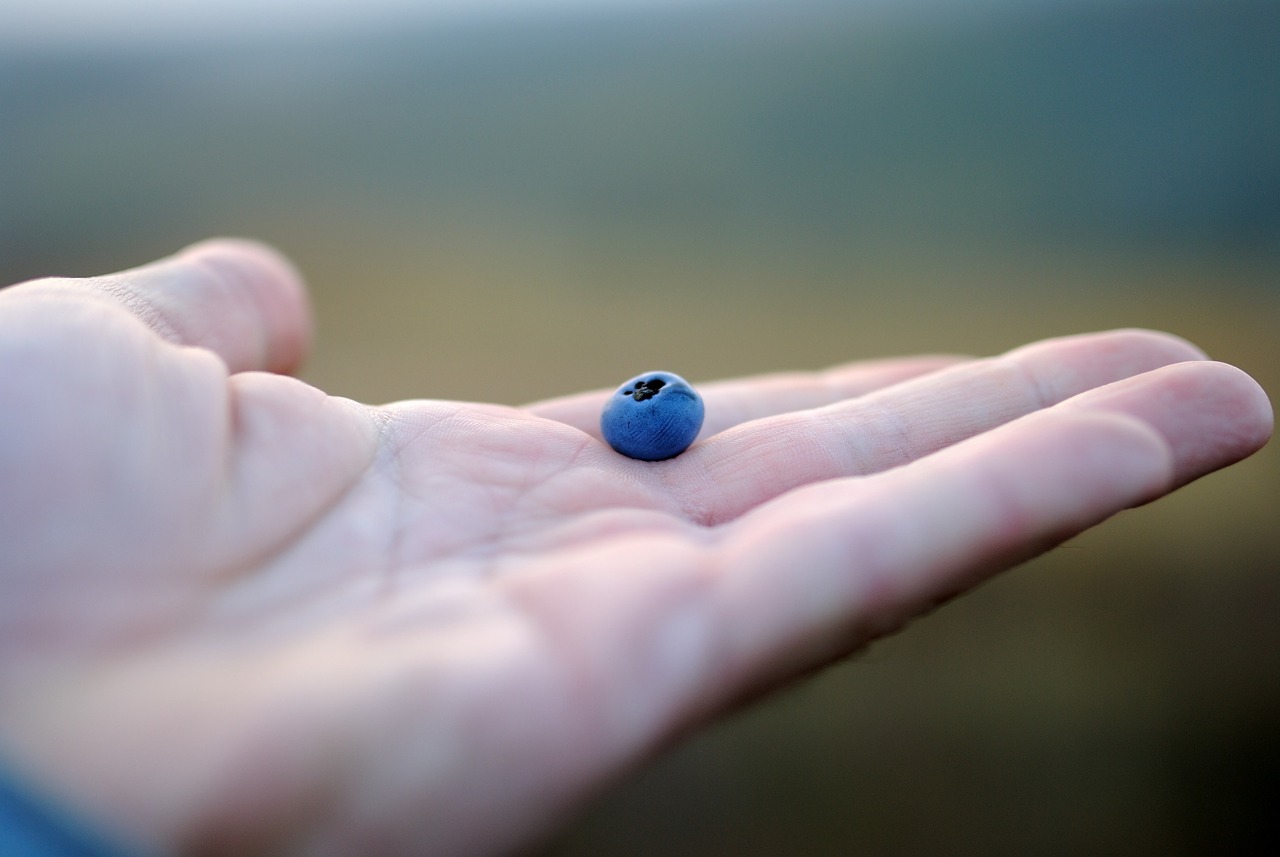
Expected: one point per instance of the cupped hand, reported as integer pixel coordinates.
(240, 616)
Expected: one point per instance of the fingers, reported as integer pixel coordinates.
(237, 298)
(729, 403)
(819, 571)
(1209, 414)
(725, 475)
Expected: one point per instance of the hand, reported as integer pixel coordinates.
(238, 615)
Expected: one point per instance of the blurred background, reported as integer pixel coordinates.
(512, 199)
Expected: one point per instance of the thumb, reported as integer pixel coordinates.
(237, 298)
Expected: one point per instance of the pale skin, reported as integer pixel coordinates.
(240, 616)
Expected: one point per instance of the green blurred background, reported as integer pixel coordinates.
(508, 207)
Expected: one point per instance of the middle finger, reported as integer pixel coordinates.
(736, 470)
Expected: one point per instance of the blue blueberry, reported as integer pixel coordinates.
(652, 417)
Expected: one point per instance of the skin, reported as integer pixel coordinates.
(240, 616)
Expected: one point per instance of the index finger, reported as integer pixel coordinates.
(822, 570)
(732, 402)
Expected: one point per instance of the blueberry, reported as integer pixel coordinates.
(652, 417)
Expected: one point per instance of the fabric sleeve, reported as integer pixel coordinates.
(33, 826)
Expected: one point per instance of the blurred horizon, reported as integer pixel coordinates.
(778, 135)
(44, 26)
(51, 26)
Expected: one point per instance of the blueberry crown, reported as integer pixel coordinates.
(644, 389)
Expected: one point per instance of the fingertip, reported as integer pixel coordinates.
(1234, 404)
(1112, 354)
(1210, 414)
(241, 251)
(1173, 346)
(256, 273)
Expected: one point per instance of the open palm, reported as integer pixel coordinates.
(238, 615)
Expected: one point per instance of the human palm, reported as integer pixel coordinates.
(238, 615)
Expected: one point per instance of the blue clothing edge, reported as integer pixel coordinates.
(34, 825)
